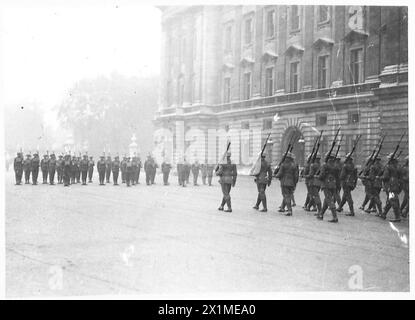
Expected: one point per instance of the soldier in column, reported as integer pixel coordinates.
(67, 170)
(210, 168)
(18, 168)
(305, 173)
(129, 172)
(338, 163)
(348, 178)
(27, 165)
(78, 169)
(288, 175)
(203, 172)
(405, 187)
(165, 169)
(59, 168)
(262, 180)
(123, 169)
(195, 171)
(180, 174)
(35, 164)
(101, 167)
(73, 170)
(115, 166)
(52, 169)
(366, 183)
(134, 164)
(329, 174)
(140, 165)
(392, 181)
(154, 167)
(44, 167)
(108, 163)
(227, 173)
(83, 167)
(315, 184)
(148, 170)
(376, 184)
(186, 169)
(91, 164)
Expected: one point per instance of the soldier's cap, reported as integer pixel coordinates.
(349, 157)
(228, 154)
(318, 157)
(290, 155)
(329, 156)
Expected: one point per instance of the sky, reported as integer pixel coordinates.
(46, 48)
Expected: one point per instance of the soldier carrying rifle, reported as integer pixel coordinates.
(227, 172)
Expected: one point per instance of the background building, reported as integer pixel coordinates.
(233, 68)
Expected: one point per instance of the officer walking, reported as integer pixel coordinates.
(52, 169)
(348, 178)
(288, 175)
(227, 173)
(18, 168)
(44, 164)
(165, 169)
(83, 167)
(195, 171)
(101, 167)
(210, 168)
(91, 164)
(67, 170)
(115, 166)
(391, 179)
(262, 180)
(35, 164)
(27, 165)
(108, 163)
(375, 182)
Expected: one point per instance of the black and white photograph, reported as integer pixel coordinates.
(206, 149)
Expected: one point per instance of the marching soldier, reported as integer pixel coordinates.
(262, 180)
(148, 169)
(83, 167)
(391, 179)
(123, 169)
(134, 164)
(186, 169)
(52, 169)
(153, 171)
(78, 170)
(315, 184)
(348, 178)
(367, 184)
(108, 163)
(405, 187)
(376, 184)
(210, 168)
(115, 166)
(27, 166)
(18, 168)
(228, 174)
(67, 170)
(308, 201)
(129, 172)
(180, 174)
(288, 175)
(140, 165)
(195, 171)
(35, 164)
(328, 175)
(165, 169)
(91, 164)
(44, 167)
(101, 167)
(339, 166)
(203, 171)
(59, 168)
(73, 169)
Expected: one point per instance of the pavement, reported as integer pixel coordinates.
(93, 240)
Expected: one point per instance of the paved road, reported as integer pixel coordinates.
(89, 240)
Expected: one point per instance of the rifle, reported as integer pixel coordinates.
(315, 148)
(332, 145)
(224, 156)
(284, 156)
(396, 148)
(373, 155)
(354, 147)
(338, 147)
(257, 165)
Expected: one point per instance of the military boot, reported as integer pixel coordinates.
(228, 202)
(264, 203)
(258, 202)
(334, 219)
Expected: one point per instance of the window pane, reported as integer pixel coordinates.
(295, 19)
(247, 86)
(294, 77)
(269, 81)
(248, 31)
(323, 13)
(270, 24)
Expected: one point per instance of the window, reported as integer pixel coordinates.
(270, 22)
(267, 124)
(356, 65)
(245, 125)
(228, 39)
(323, 13)
(295, 18)
(294, 77)
(247, 86)
(321, 119)
(227, 90)
(269, 81)
(322, 71)
(248, 31)
(353, 117)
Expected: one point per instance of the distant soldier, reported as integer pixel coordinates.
(134, 163)
(186, 169)
(315, 184)
(338, 163)
(52, 169)
(18, 168)
(78, 170)
(305, 173)
(367, 184)
(329, 174)
(165, 169)
(288, 175)
(154, 171)
(35, 164)
(73, 169)
(101, 167)
(91, 164)
(115, 167)
(123, 169)
(262, 180)
(83, 167)
(405, 186)
(44, 164)
(140, 165)
(150, 168)
(203, 172)
(108, 163)
(210, 168)
(376, 183)
(392, 184)
(348, 178)
(180, 174)
(129, 172)
(195, 171)
(228, 174)
(27, 166)
(67, 170)
(59, 168)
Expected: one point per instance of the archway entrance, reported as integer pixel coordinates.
(299, 144)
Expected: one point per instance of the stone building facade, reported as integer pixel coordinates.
(240, 72)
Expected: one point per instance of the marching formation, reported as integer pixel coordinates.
(329, 176)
